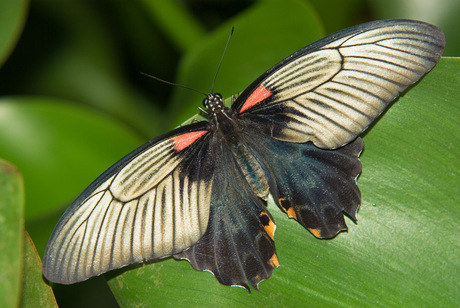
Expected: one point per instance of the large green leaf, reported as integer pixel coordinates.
(404, 249)
(11, 226)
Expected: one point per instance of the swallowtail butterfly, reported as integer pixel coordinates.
(199, 192)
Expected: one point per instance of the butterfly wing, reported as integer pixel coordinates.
(331, 91)
(238, 246)
(311, 105)
(153, 203)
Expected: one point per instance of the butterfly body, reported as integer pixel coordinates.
(226, 126)
(199, 192)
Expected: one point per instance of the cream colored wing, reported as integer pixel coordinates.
(331, 91)
(152, 204)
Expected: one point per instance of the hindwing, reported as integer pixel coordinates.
(312, 185)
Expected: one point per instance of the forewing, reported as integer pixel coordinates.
(238, 246)
(331, 91)
(151, 204)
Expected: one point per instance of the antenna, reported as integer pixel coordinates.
(221, 59)
(173, 83)
(190, 88)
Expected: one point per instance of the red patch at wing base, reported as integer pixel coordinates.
(256, 97)
(183, 141)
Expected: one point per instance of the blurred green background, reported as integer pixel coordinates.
(73, 102)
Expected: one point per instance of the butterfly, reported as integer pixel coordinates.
(199, 192)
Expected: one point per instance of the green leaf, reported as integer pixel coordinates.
(35, 292)
(409, 184)
(12, 18)
(11, 226)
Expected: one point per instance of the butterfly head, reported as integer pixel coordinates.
(214, 103)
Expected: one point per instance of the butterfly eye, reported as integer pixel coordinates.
(206, 102)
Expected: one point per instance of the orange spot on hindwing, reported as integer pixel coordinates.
(287, 207)
(268, 224)
(183, 141)
(256, 97)
(315, 232)
(274, 261)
